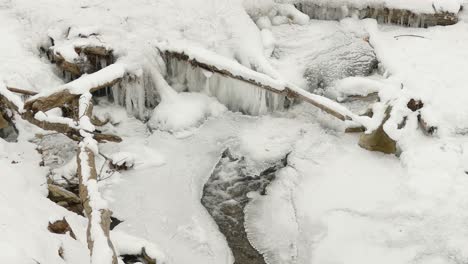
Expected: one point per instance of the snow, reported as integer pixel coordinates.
(333, 203)
(21, 67)
(268, 42)
(129, 245)
(350, 86)
(184, 111)
(26, 212)
(434, 79)
(263, 22)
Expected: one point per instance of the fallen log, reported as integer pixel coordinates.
(261, 81)
(104, 78)
(65, 129)
(21, 91)
(99, 216)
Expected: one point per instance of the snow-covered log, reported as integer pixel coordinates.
(12, 102)
(95, 207)
(106, 77)
(217, 64)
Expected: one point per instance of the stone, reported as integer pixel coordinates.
(379, 140)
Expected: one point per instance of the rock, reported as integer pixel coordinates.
(7, 129)
(379, 140)
(3, 122)
(65, 198)
(143, 258)
(349, 56)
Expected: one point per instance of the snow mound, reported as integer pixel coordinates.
(264, 143)
(354, 86)
(184, 111)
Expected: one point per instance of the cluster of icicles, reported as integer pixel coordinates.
(382, 15)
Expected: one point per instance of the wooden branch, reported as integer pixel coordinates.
(21, 91)
(62, 97)
(87, 176)
(104, 214)
(65, 129)
(282, 90)
(98, 122)
(65, 65)
(94, 50)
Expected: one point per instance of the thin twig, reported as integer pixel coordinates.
(410, 35)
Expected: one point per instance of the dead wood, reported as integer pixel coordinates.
(286, 91)
(61, 227)
(98, 122)
(65, 65)
(86, 174)
(21, 91)
(61, 98)
(104, 214)
(94, 50)
(65, 129)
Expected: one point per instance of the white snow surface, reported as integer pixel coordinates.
(333, 203)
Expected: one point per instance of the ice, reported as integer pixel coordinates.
(272, 233)
(268, 42)
(234, 94)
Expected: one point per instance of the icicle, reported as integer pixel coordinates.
(380, 13)
(235, 94)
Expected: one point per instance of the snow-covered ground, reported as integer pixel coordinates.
(333, 203)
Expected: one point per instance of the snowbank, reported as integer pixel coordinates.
(184, 111)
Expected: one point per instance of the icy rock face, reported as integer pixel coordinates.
(382, 14)
(234, 94)
(227, 193)
(349, 56)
